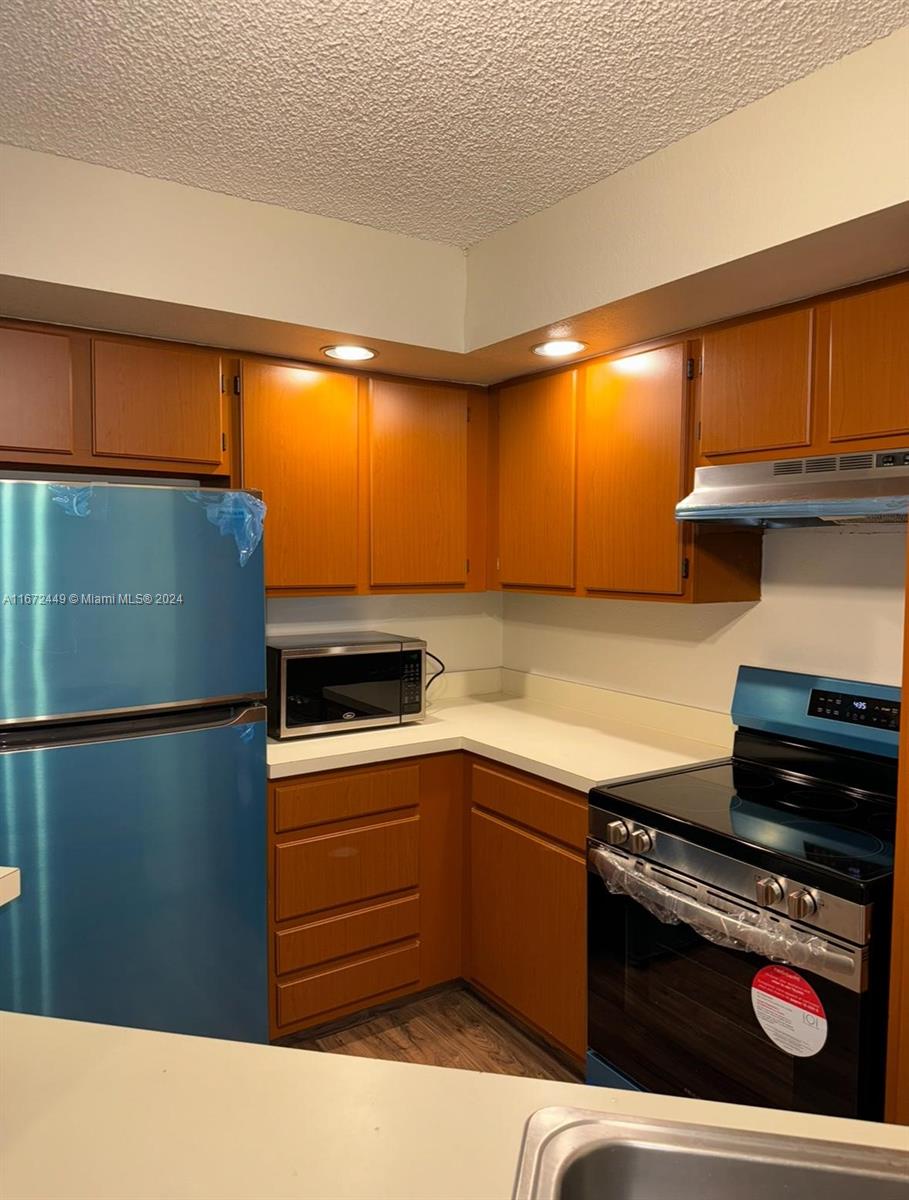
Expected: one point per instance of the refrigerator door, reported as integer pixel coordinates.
(115, 598)
(142, 863)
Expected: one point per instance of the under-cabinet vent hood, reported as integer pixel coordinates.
(826, 490)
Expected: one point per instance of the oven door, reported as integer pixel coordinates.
(687, 997)
(325, 691)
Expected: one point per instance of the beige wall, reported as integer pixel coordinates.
(832, 604)
(91, 227)
(829, 148)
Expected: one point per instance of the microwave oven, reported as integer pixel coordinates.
(332, 683)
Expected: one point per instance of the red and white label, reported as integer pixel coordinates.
(789, 1011)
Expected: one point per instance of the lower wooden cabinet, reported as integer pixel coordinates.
(389, 879)
(527, 906)
(365, 887)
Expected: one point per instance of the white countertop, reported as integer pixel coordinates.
(10, 884)
(566, 745)
(92, 1112)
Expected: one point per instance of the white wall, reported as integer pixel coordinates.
(464, 631)
(827, 149)
(832, 604)
(86, 226)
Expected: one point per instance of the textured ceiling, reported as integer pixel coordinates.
(444, 120)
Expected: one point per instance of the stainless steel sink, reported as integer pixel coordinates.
(572, 1154)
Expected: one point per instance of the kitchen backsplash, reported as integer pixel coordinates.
(832, 603)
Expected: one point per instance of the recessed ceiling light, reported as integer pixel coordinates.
(559, 348)
(349, 353)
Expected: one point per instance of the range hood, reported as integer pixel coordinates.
(833, 489)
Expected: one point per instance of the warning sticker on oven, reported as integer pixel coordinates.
(789, 1011)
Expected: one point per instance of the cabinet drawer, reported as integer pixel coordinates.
(356, 983)
(318, 800)
(557, 816)
(339, 937)
(341, 868)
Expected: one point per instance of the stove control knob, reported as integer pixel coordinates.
(768, 891)
(640, 842)
(801, 904)
(616, 833)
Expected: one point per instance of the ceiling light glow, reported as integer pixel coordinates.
(559, 348)
(349, 353)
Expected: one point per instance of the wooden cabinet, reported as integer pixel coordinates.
(632, 472)
(757, 385)
(527, 903)
(157, 402)
(365, 887)
(36, 391)
(300, 448)
(537, 435)
(868, 381)
(418, 485)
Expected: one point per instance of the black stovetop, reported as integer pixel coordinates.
(820, 819)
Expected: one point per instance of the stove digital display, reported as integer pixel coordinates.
(855, 710)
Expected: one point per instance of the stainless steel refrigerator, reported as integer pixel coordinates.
(132, 756)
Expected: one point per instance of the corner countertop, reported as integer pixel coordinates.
(565, 745)
(93, 1112)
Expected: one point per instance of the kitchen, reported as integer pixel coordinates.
(468, 641)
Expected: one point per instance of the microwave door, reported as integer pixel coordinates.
(327, 692)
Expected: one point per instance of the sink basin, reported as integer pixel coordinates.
(572, 1154)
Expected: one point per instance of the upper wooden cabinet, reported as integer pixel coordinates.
(868, 385)
(157, 402)
(418, 484)
(632, 472)
(537, 435)
(300, 448)
(756, 385)
(36, 391)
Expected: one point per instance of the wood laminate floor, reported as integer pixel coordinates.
(453, 1028)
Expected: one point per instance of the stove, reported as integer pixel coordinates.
(771, 868)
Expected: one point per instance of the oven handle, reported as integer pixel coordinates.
(743, 929)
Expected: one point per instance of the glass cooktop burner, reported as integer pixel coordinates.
(835, 830)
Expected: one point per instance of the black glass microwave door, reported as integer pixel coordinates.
(337, 688)
(673, 1012)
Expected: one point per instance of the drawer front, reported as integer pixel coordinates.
(318, 800)
(339, 937)
(536, 806)
(324, 872)
(359, 982)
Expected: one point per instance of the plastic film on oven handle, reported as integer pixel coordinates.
(742, 929)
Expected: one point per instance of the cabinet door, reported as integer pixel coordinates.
(418, 493)
(36, 391)
(156, 402)
(632, 472)
(527, 927)
(869, 364)
(300, 449)
(537, 435)
(756, 386)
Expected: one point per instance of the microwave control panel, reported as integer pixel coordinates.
(411, 682)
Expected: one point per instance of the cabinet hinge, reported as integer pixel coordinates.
(686, 568)
(236, 385)
(468, 414)
(689, 373)
(223, 440)
(699, 432)
(222, 382)
(498, 564)
(468, 566)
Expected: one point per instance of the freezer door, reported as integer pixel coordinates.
(118, 597)
(142, 866)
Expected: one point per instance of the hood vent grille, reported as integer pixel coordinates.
(789, 466)
(816, 466)
(856, 462)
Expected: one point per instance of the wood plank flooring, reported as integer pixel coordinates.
(452, 1028)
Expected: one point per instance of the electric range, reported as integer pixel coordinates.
(739, 910)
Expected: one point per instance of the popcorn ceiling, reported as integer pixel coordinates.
(444, 120)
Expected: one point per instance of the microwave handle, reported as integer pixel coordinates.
(744, 929)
